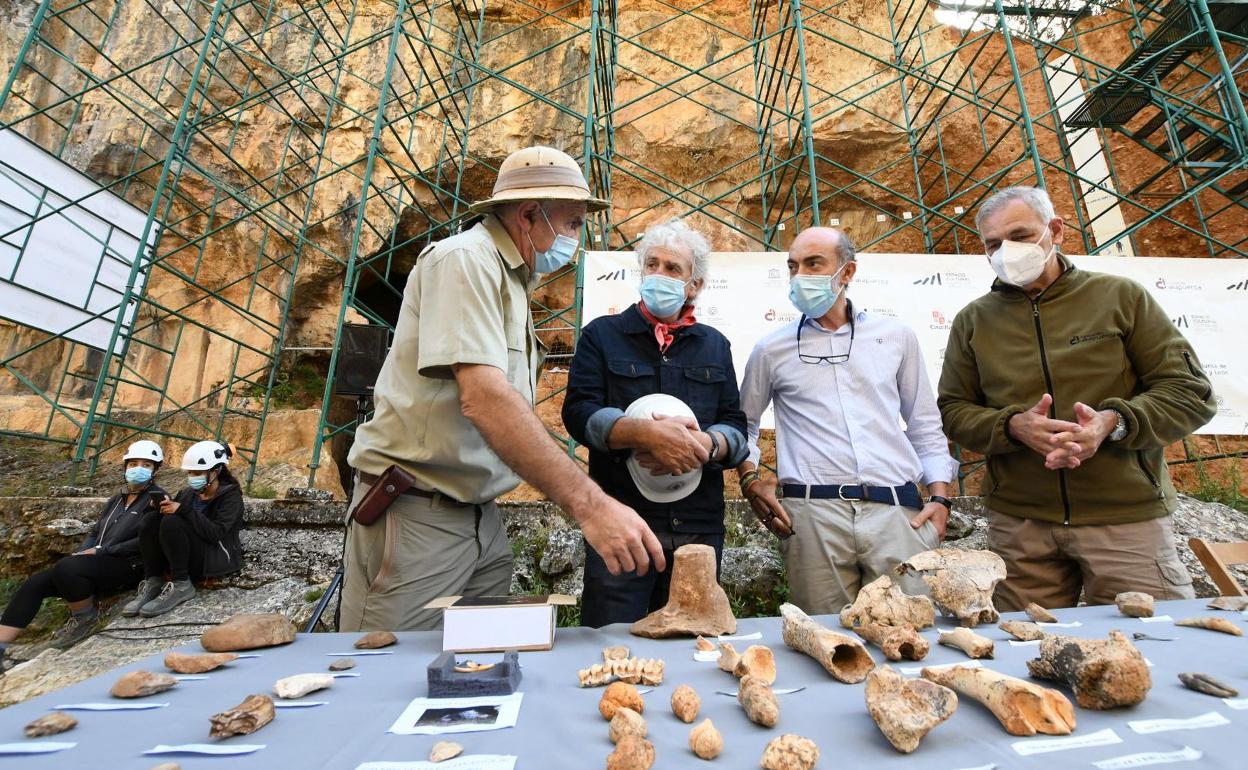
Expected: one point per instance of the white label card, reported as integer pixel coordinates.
(359, 653)
(190, 677)
(1075, 624)
(1185, 754)
(466, 762)
(108, 706)
(1158, 619)
(1240, 704)
(706, 656)
(35, 747)
(218, 749)
(1032, 643)
(742, 637)
(298, 704)
(1146, 726)
(344, 674)
(777, 691)
(1044, 745)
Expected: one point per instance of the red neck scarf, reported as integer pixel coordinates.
(664, 333)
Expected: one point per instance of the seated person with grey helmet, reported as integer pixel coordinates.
(653, 394)
(106, 563)
(192, 536)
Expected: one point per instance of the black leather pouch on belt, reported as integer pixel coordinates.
(390, 484)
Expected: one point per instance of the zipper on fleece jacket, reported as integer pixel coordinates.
(1048, 387)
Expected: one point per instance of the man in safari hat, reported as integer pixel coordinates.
(454, 408)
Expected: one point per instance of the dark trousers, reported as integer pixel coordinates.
(169, 545)
(73, 578)
(626, 598)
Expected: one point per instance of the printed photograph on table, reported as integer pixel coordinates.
(481, 715)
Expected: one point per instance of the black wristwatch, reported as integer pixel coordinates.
(941, 500)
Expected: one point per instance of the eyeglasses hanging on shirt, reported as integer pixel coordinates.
(837, 358)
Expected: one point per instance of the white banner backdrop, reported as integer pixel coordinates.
(746, 298)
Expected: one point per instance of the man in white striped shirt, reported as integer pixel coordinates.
(856, 427)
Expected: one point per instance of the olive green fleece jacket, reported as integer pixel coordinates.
(1091, 337)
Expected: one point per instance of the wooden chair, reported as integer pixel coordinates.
(1216, 558)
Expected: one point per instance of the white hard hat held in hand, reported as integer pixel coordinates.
(665, 488)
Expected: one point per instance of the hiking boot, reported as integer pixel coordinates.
(171, 595)
(149, 589)
(77, 628)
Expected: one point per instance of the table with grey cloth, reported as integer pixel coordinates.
(560, 727)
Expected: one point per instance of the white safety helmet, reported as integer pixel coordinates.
(144, 450)
(204, 456)
(665, 488)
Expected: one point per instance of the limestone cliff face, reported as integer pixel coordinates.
(680, 139)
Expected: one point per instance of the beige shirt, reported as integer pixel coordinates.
(466, 302)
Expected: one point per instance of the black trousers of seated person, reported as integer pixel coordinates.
(169, 545)
(627, 597)
(73, 579)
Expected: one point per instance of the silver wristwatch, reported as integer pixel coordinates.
(1120, 430)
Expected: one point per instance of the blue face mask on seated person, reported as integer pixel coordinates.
(138, 475)
(197, 483)
(663, 296)
(559, 254)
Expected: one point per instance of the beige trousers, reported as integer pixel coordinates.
(838, 546)
(1050, 564)
(420, 550)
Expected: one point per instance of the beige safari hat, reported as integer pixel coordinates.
(540, 173)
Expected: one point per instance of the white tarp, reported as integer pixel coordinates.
(63, 272)
(746, 297)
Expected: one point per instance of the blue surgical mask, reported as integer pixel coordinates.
(559, 254)
(138, 475)
(197, 482)
(814, 295)
(662, 296)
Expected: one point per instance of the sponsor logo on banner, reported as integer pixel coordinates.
(717, 283)
(776, 276)
(1164, 285)
(931, 280)
(1181, 322)
(939, 321)
(1241, 286)
(1196, 321)
(615, 275)
(940, 353)
(782, 316)
(942, 278)
(872, 281)
(1218, 369)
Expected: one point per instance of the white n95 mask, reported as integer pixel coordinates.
(1019, 264)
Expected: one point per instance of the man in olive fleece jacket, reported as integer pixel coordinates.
(1072, 384)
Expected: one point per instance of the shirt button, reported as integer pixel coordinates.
(676, 522)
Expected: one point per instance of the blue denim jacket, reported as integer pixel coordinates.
(617, 361)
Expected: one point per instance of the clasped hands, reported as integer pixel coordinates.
(673, 445)
(1062, 444)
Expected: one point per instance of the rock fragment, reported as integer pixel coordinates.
(249, 632)
(184, 663)
(1208, 685)
(1134, 604)
(620, 695)
(1022, 630)
(254, 712)
(626, 722)
(140, 684)
(300, 685)
(790, 752)
(444, 750)
(705, 741)
(53, 723)
(342, 664)
(1039, 614)
(375, 640)
(631, 753)
(1211, 623)
(759, 701)
(686, 703)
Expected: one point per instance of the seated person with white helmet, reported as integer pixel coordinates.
(191, 536)
(106, 563)
(653, 394)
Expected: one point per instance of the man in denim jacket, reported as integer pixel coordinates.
(656, 346)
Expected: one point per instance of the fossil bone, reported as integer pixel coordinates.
(756, 661)
(884, 603)
(444, 750)
(686, 703)
(969, 642)
(844, 657)
(1039, 614)
(374, 640)
(631, 753)
(183, 663)
(705, 741)
(254, 712)
(696, 605)
(248, 632)
(626, 722)
(50, 724)
(1232, 603)
(759, 701)
(619, 652)
(704, 645)
(790, 752)
(620, 695)
(961, 582)
(1207, 684)
(472, 667)
(1135, 604)
(728, 657)
(647, 671)
(906, 710)
(1103, 673)
(140, 684)
(896, 642)
(1022, 630)
(1023, 708)
(1211, 623)
(300, 685)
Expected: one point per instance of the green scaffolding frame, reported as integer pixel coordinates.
(969, 108)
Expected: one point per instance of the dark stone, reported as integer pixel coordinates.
(312, 495)
(446, 682)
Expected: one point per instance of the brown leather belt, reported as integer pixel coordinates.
(371, 480)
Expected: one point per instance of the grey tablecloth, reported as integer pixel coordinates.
(559, 724)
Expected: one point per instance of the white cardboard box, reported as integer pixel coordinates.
(496, 623)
